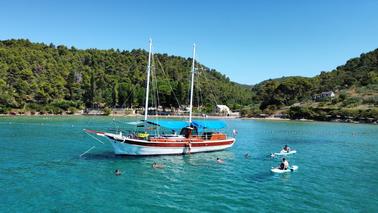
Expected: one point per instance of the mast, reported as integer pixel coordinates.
(192, 85)
(148, 80)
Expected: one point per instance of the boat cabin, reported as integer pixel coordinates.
(196, 131)
(192, 132)
(188, 131)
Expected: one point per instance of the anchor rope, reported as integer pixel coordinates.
(87, 151)
(94, 137)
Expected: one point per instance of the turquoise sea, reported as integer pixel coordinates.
(41, 171)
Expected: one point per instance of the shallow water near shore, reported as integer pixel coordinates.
(41, 170)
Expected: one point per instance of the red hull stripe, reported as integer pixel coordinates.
(177, 144)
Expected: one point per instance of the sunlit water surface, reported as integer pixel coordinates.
(41, 171)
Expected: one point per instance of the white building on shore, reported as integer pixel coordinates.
(323, 95)
(223, 110)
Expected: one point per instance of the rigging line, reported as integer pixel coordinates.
(167, 77)
(207, 81)
(113, 115)
(198, 84)
(200, 94)
(155, 84)
(188, 91)
(157, 101)
(202, 73)
(210, 89)
(132, 88)
(94, 137)
(131, 92)
(198, 90)
(87, 151)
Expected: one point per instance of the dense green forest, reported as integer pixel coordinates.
(53, 79)
(355, 85)
(43, 78)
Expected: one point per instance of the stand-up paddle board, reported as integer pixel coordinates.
(285, 153)
(291, 169)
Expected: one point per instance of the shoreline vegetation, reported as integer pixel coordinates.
(42, 79)
(267, 118)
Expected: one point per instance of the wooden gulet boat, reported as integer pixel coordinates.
(194, 136)
(190, 139)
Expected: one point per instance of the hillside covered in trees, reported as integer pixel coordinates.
(44, 78)
(52, 79)
(355, 85)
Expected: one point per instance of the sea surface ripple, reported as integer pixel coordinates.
(41, 170)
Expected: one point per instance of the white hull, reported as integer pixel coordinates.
(122, 148)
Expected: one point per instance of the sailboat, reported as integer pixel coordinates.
(194, 136)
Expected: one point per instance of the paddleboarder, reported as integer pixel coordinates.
(284, 164)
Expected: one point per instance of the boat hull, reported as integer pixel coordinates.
(140, 147)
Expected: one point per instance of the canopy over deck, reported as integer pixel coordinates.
(201, 125)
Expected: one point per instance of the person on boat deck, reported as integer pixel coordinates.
(284, 164)
(286, 149)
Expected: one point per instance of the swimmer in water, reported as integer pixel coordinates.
(247, 155)
(285, 149)
(157, 165)
(117, 172)
(220, 160)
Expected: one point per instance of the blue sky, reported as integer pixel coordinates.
(249, 41)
